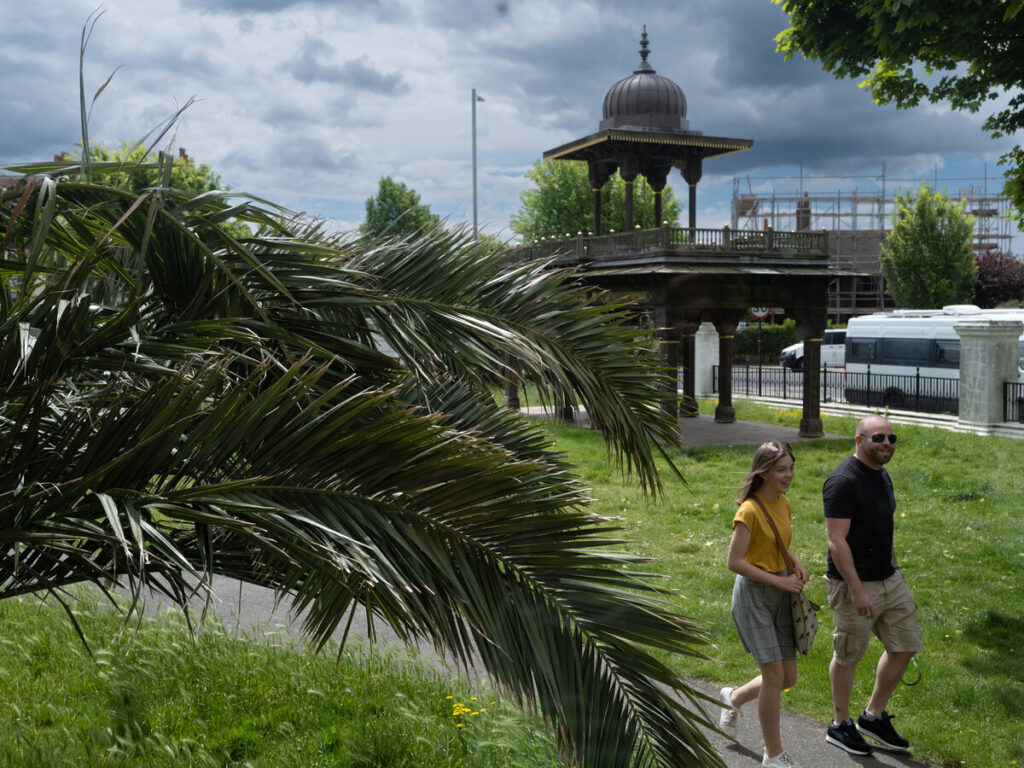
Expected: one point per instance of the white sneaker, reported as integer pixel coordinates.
(727, 720)
(781, 760)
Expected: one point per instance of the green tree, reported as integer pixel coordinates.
(964, 52)
(927, 260)
(314, 413)
(561, 202)
(134, 167)
(396, 211)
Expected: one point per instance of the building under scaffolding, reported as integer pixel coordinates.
(857, 223)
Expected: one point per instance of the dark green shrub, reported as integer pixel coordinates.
(774, 338)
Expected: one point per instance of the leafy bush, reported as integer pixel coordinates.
(1000, 279)
(774, 339)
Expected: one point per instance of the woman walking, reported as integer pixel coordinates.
(761, 595)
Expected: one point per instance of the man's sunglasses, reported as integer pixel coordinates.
(879, 437)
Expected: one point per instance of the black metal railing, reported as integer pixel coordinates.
(914, 392)
(753, 380)
(1013, 401)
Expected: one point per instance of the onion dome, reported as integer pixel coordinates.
(645, 100)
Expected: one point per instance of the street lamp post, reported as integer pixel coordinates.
(475, 100)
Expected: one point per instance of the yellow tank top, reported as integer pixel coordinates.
(763, 550)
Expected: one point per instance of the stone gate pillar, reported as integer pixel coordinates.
(989, 356)
(705, 359)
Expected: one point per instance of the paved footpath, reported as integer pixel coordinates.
(704, 430)
(802, 737)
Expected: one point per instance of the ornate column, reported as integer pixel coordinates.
(599, 174)
(657, 176)
(668, 335)
(810, 324)
(628, 170)
(691, 173)
(688, 327)
(725, 321)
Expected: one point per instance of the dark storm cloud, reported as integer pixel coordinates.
(306, 155)
(282, 104)
(722, 54)
(40, 107)
(290, 114)
(283, 115)
(165, 70)
(259, 6)
(560, 83)
(463, 15)
(310, 162)
(26, 139)
(383, 10)
(313, 65)
(359, 73)
(845, 135)
(726, 50)
(741, 42)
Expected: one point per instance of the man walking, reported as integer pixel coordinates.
(866, 589)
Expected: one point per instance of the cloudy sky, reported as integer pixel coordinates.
(310, 102)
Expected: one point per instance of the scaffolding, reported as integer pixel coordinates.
(857, 223)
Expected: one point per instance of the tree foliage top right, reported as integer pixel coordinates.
(964, 52)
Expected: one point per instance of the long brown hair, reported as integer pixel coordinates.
(764, 458)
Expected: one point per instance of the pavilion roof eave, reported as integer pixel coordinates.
(704, 269)
(611, 141)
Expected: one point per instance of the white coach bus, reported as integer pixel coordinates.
(911, 357)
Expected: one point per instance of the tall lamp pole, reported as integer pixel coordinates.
(475, 100)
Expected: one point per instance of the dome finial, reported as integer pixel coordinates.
(645, 100)
(644, 53)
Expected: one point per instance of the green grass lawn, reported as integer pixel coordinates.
(159, 698)
(959, 539)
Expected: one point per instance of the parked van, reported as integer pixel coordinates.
(833, 351)
(911, 357)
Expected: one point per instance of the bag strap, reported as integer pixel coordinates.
(790, 565)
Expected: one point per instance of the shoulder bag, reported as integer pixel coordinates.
(805, 610)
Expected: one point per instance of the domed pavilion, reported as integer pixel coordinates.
(645, 131)
(692, 278)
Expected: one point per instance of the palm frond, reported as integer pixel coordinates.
(313, 413)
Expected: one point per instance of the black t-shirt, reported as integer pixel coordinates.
(864, 496)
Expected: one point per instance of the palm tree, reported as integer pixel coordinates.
(314, 413)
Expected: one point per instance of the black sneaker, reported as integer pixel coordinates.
(845, 736)
(881, 730)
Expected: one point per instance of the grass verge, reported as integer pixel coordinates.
(162, 699)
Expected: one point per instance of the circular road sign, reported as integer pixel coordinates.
(760, 313)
